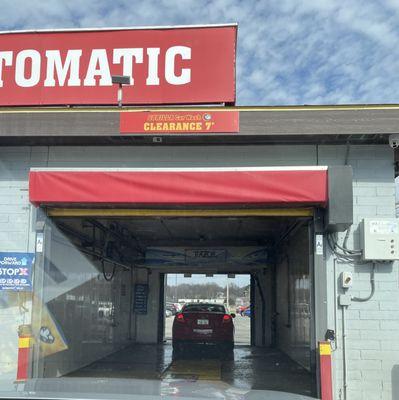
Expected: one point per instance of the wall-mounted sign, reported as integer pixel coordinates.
(175, 122)
(140, 298)
(16, 271)
(199, 256)
(205, 256)
(166, 66)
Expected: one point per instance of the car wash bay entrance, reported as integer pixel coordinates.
(101, 265)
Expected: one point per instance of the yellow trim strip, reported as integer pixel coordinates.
(112, 212)
(23, 342)
(325, 349)
(345, 107)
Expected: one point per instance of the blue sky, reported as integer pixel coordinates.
(289, 52)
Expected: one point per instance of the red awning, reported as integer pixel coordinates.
(163, 186)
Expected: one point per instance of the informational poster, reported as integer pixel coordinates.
(140, 298)
(16, 271)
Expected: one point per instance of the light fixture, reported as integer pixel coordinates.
(120, 80)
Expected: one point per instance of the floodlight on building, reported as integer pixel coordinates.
(120, 80)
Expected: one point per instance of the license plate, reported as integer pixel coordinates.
(203, 331)
(202, 322)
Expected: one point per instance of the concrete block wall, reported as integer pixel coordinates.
(372, 340)
(16, 235)
(372, 368)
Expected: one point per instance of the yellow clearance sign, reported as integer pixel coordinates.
(179, 122)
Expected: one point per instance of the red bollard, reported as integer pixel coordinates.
(325, 371)
(24, 346)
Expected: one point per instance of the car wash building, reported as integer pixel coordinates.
(123, 158)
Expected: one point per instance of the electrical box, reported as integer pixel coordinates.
(344, 300)
(380, 239)
(346, 280)
(340, 198)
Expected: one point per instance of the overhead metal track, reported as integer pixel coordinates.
(120, 212)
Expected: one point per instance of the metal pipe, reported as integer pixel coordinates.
(335, 305)
(344, 360)
(119, 236)
(131, 304)
(106, 259)
(120, 96)
(65, 228)
(95, 254)
(372, 284)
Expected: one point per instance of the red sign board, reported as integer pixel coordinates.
(185, 65)
(160, 122)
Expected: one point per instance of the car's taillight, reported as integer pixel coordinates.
(226, 318)
(180, 317)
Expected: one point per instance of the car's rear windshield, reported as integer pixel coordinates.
(216, 308)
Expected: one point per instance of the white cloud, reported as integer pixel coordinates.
(301, 52)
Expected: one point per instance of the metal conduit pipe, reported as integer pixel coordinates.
(345, 363)
(106, 259)
(83, 237)
(358, 299)
(372, 284)
(118, 235)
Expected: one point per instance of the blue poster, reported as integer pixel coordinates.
(16, 271)
(140, 298)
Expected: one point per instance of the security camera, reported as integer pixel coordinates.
(394, 140)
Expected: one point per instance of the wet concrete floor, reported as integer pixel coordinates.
(245, 368)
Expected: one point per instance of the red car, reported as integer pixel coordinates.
(201, 323)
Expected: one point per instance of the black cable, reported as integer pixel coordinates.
(331, 244)
(348, 251)
(344, 256)
(344, 244)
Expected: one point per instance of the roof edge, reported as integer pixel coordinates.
(163, 108)
(121, 28)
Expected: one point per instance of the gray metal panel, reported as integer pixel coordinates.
(59, 124)
(340, 198)
(290, 125)
(319, 295)
(320, 122)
